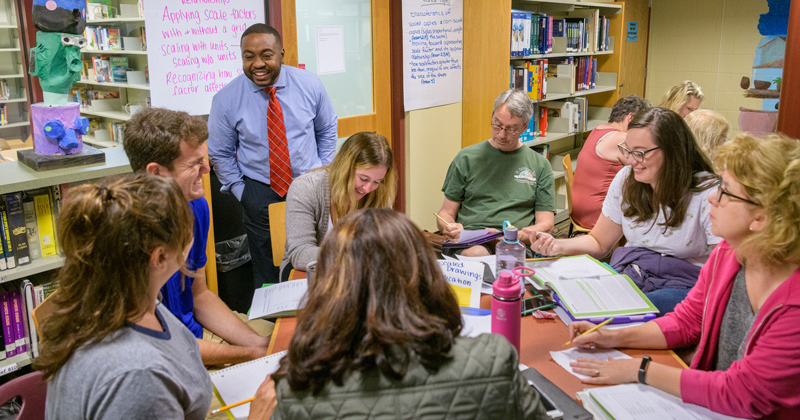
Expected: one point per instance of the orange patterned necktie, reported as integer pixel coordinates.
(280, 165)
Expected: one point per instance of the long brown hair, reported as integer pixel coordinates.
(362, 150)
(680, 175)
(379, 299)
(107, 234)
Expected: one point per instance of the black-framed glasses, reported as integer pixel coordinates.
(638, 155)
(722, 191)
(511, 131)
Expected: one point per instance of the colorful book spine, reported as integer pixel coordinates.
(8, 326)
(44, 215)
(17, 227)
(20, 330)
(3, 265)
(7, 247)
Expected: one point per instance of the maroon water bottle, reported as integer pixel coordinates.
(506, 308)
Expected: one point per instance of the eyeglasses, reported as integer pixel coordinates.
(638, 155)
(722, 191)
(509, 130)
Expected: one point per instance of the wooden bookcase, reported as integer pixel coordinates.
(12, 75)
(487, 57)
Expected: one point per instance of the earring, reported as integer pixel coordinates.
(751, 228)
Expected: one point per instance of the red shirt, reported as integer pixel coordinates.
(592, 178)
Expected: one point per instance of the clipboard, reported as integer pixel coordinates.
(570, 409)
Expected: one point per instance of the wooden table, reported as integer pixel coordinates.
(539, 338)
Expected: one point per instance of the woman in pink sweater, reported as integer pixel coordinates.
(744, 312)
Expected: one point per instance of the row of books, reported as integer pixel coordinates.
(3, 115)
(27, 225)
(562, 116)
(85, 96)
(106, 69)
(16, 308)
(584, 31)
(531, 77)
(537, 126)
(109, 38)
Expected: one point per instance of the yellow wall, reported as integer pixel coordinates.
(711, 42)
(433, 138)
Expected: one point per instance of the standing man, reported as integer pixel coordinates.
(499, 179)
(173, 144)
(267, 126)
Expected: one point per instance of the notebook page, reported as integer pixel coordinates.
(240, 382)
(270, 300)
(642, 402)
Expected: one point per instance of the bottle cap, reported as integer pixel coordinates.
(510, 235)
(506, 287)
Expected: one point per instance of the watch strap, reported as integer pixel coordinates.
(643, 369)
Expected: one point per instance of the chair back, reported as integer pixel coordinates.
(277, 231)
(567, 161)
(32, 389)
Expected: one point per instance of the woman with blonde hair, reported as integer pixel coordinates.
(744, 312)
(382, 340)
(362, 175)
(710, 129)
(683, 98)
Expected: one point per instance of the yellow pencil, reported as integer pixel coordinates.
(593, 329)
(228, 407)
(440, 218)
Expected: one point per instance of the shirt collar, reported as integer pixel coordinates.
(280, 83)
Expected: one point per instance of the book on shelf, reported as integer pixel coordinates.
(113, 39)
(119, 69)
(32, 228)
(542, 149)
(8, 248)
(15, 217)
(43, 204)
(29, 300)
(5, 91)
(20, 330)
(8, 326)
(102, 69)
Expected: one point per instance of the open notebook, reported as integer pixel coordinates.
(240, 382)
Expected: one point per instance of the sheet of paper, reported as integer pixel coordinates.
(637, 401)
(330, 49)
(469, 235)
(475, 325)
(287, 296)
(466, 278)
(580, 266)
(240, 382)
(565, 357)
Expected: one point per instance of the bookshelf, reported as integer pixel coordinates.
(124, 16)
(14, 101)
(487, 59)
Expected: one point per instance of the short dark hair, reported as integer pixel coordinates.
(155, 135)
(262, 28)
(627, 105)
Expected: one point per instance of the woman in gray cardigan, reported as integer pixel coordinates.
(362, 175)
(380, 338)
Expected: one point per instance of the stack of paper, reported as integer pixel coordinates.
(282, 299)
(470, 238)
(637, 401)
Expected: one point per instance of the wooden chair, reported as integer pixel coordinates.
(277, 231)
(574, 227)
(32, 390)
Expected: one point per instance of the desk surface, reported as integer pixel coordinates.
(539, 338)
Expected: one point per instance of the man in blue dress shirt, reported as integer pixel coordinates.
(238, 141)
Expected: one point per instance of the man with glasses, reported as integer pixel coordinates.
(499, 179)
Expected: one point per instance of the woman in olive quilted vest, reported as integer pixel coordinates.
(380, 337)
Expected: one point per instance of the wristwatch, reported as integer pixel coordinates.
(643, 369)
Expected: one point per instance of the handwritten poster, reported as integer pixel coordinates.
(433, 43)
(193, 49)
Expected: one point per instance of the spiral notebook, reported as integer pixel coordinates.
(240, 382)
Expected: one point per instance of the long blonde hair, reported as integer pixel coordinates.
(680, 94)
(710, 129)
(362, 150)
(769, 171)
(107, 234)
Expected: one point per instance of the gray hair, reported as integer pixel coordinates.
(518, 103)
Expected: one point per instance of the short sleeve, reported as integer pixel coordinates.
(612, 205)
(455, 181)
(140, 394)
(197, 254)
(705, 220)
(546, 188)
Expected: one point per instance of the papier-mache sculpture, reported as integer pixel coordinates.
(58, 127)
